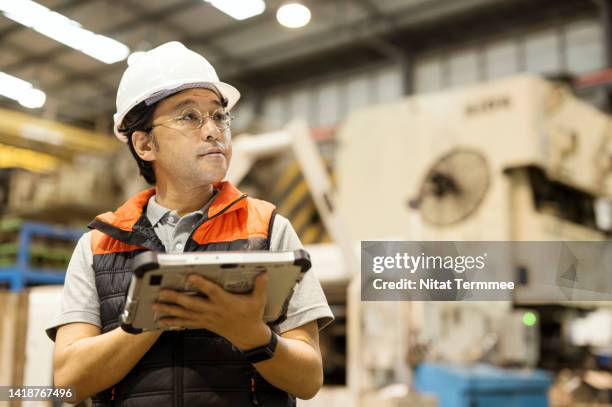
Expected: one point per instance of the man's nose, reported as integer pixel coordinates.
(210, 131)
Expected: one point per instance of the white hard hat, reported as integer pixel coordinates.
(163, 71)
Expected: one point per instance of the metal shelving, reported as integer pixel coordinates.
(22, 272)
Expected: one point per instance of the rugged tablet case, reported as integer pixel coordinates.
(147, 261)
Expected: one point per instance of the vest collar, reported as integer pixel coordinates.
(228, 194)
(228, 199)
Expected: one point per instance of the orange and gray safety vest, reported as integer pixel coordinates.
(189, 367)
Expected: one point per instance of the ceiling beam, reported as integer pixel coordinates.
(362, 30)
(205, 40)
(412, 27)
(58, 66)
(376, 42)
(181, 32)
(506, 19)
(371, 8)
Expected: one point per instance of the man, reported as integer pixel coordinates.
(173, 112)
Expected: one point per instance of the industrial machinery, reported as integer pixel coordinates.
(515, 159)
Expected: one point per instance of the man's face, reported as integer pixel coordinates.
(196, 157)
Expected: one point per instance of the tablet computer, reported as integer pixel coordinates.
(234, 271)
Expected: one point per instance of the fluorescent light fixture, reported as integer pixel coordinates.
(33, 99)
(64, 30)
(293, 15)
(21, 91)
(239, 9)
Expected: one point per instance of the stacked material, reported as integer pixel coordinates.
(77, 190)
(13, 332)
(26, 354)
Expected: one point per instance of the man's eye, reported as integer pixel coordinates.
(189, 117)
(220, 116)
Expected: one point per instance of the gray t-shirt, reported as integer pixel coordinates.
(80, 302)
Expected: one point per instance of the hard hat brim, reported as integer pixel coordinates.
(227, 91)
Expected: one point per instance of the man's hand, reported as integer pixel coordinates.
(296, 366)
(236, 317)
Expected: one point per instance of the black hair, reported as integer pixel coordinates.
(139, 118)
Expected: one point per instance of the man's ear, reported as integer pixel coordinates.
(144, 145)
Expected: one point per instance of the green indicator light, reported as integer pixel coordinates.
(529, 318)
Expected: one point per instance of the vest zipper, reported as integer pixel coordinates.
(221, 212)
(178, 381)
(253, 388)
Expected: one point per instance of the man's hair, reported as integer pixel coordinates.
(139, 118)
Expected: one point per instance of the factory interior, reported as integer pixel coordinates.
(361, 121)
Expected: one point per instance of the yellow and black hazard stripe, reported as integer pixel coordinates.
(293, 199)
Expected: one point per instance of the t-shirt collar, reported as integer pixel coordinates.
(157, 212)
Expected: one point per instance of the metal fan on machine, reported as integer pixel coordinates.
(453, 188)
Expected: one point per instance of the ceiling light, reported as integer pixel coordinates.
(64, 30)
(293, 15)
(33, 99)
(21, 91)
(239, 9)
